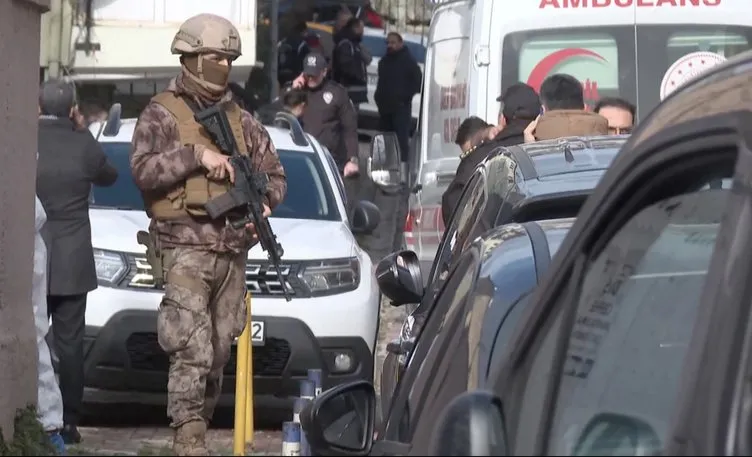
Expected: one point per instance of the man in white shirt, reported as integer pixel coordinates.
(49, 400)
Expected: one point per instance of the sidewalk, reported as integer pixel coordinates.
(158, 441)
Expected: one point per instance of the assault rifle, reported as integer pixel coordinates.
(244, 203)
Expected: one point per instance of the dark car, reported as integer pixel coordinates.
(638, 341)
(466, 331)
(543, 180)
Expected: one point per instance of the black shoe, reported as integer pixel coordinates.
(70, 434)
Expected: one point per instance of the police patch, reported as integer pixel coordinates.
(328, 96)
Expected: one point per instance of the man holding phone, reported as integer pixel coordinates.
(330, 116)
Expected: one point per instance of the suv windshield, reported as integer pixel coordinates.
(309, 195)
(625, 61)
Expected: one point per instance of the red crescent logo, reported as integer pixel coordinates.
(551, 61)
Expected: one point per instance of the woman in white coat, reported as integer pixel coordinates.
(49, 400)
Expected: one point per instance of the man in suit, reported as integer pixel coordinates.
(70, 161)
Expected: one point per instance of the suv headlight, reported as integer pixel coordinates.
(329, 277)
(110, 267)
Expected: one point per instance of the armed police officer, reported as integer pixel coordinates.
(178, 168)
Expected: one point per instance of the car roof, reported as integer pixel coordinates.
(281, 137)
(549, 157)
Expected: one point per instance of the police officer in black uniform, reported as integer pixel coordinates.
(330, 117)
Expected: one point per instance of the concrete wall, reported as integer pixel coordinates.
(19, 82)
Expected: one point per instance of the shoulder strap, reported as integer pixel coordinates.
(235, 116)
(174, 104)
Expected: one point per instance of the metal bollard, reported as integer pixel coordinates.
(249, 425)
(307, 393)
(243, 426)
(300, 403)
(291, 435)
(314, 375)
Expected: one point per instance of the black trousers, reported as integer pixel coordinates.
(68, 326)
(398, 120)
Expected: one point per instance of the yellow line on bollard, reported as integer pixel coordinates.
(249, 430)
(241, 381)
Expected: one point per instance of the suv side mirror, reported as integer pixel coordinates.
(472, 424)
(341, 420)
(384, 162)
(399, 277)
(364, 218)
(615, 434)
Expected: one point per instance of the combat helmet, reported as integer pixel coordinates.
(205, 33)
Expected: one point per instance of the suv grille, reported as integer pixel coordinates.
(261, 278)
(145, 354)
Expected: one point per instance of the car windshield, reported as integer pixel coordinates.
(309, 195)
(376, 46)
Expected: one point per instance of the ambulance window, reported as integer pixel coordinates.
(591, 58)
(602, 58)
(720, 42)
(667, 54)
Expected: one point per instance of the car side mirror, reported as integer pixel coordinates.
(364, 217)
(471, 424)
(341, 420)
(615, 434)
(384, 162)
(399, 277)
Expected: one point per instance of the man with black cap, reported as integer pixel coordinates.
(330, 116)
(70, 162)
(520, 106)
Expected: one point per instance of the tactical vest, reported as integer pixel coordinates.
(188, 197)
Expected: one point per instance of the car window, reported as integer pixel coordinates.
(474, 194)
(636, 312)
(335, 171)
(376, 46)
(309, 195)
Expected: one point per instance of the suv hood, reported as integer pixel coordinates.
(302, 239)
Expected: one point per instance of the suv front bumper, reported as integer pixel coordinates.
(125, 364)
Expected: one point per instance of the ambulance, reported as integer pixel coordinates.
(639, 50)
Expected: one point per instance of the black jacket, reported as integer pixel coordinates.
(349, 65)
(400, 79)
(70, 161)
(331, 118)
(290, 54)
(510, 136)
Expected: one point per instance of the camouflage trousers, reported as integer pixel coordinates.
(201, 313)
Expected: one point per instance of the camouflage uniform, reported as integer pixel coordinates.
(202, 310)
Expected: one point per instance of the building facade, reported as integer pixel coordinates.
(19, 48)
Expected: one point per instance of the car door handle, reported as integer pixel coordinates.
(394, 348)
(400, 348)
(445, 175)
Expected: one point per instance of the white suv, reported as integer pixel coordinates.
(331, 323)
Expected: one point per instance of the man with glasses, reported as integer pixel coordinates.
(620, 114)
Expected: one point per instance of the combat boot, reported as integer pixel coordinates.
(190, 439)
